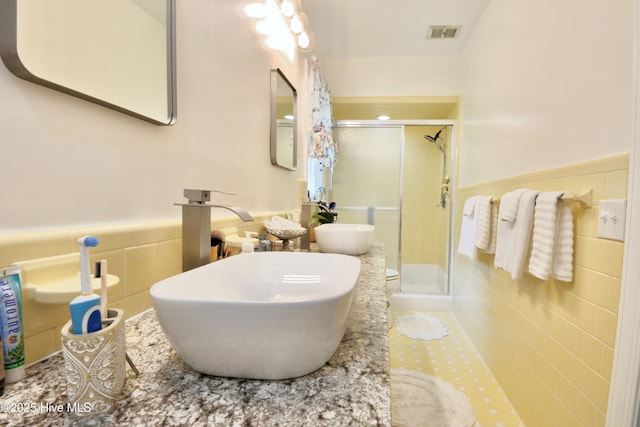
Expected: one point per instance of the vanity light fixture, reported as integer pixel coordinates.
(289, 117)
(383, 117)
(283, 24)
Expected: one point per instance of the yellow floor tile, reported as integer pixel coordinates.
(455, 360)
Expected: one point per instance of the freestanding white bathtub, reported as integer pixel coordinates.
(265, 315)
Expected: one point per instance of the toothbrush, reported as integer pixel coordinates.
(103, 289)
(85, 308)
(85, 273)
(104, 312)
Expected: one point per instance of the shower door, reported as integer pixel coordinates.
(426, 216)
(366, 182)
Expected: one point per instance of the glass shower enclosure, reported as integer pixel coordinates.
(391, 176)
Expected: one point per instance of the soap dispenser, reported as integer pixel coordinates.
(247, 245)
(265, 244)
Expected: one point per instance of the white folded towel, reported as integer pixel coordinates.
(523, 226)
(544, 234)
(562, 268)
(466, 244)
(505, 230)
(279, 223)
(491, 249)
(509, 204)
(482, 211)
(552, 242)
(469, 206)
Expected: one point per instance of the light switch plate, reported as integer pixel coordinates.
(611, 219)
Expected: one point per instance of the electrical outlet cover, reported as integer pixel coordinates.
(611, 219)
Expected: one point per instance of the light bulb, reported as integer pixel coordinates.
(296, 25)
(287, 8)
(303, 40)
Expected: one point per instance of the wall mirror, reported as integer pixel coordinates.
(116, 53)
(284, 150)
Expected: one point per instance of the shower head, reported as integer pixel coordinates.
(435, 138)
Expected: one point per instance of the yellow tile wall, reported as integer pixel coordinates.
(549, 343)
(424, 224)
(139, 254)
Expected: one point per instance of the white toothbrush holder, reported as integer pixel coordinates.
(94, 365)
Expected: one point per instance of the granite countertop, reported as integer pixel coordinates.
(353, 388)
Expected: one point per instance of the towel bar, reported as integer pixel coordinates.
(585, 199)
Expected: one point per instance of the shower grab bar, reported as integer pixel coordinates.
(585, 199)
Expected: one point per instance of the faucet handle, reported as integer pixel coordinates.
(201, 196)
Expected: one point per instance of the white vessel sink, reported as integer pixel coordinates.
(350, 239)
(264, 315)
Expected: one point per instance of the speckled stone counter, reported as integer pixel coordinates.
(352, 389)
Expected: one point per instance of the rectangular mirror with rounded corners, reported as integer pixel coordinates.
(116, 53)
(283, 138)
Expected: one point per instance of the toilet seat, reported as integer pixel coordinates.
(393, 286)
(392, 274)
(393, 282)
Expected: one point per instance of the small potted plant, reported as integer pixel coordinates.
(325, 215)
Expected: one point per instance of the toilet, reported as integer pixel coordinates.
(393, 282)
(393, 285)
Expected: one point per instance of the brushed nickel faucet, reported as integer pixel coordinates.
(196, 226)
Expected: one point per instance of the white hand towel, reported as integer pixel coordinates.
(509, 205)
(562, 268)
(466, 244)
(469, 206)
(506, 230)
(491, 249)
(523, 225)
(544, 234)
(483, 225)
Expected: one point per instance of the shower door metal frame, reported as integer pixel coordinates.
(404, 123)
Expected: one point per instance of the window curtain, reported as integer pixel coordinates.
(321, 143)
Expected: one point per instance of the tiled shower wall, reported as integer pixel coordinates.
(550, 344)
(424, 224)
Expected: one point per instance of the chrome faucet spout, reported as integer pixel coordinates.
(243, 214)
(196, 227)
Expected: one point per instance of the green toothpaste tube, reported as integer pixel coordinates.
(11, 328)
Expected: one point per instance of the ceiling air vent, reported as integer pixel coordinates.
(443, 31)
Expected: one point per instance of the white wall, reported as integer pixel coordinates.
(546, 84)
(542, 84)
(69, 162)
(436, 75)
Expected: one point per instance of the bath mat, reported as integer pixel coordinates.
(419, 399)
(420, 326)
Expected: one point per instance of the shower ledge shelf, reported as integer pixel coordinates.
(56, 280)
